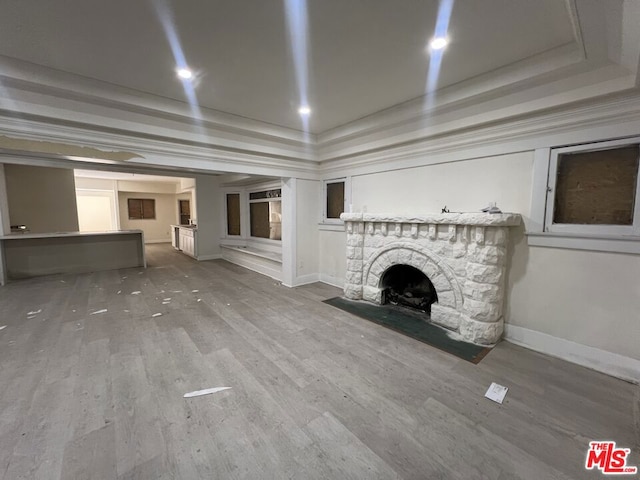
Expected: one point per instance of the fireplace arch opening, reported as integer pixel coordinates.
(407, 286)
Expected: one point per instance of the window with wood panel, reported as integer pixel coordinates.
(335, 199)
(142, 208)
(595, 188)
(233, 214)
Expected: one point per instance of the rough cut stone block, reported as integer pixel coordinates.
(373, 280)
(446, 299)
(354, 292)
(482, 311)
(351, 252)
(484, 273)
(487, 254)
(479, 332)
(458, 265)
(371, 294)
(431, 270)
(376, 269)
(354, 278)
(355, 240)
(418, 260)
(404, 257)
(441, 283)
(496, 236)
(459, 250)
(482, 292)
(354, 265)
(444, 316)
(367, 251)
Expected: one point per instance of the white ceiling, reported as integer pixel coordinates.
(364, 55)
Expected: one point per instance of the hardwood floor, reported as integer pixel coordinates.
(316, 392)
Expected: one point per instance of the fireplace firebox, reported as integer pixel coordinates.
(407, 286)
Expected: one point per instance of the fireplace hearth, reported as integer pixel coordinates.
(448, 265)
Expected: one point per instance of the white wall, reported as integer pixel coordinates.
(333, 257)
(42, 198)
(591, 298)
(146, 187)
(96, 211)
(462, 186)
(157, 230)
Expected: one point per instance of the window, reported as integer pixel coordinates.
(265, 214)
(335, 199)
(233, 214)
(594, 189)
(142, 208)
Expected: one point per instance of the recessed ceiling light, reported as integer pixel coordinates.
(438, 43)
(304, 110)
(185, 73)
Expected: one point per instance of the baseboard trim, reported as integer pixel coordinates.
(214, 256)
(267, 267)
(156, 241)
(306, 279)
(331, 280)
(602, 361)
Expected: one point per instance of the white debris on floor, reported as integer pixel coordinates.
(137, 292)
(496, 393)
(3, 327)
(156, 315)
(35, 312)
(104, 310)
(199, 393)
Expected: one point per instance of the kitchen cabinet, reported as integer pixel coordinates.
(185, 239)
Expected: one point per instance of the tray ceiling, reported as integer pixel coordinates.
(363, 56)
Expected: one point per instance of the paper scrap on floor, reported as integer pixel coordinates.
(496, 393)
(207, 391)
(104, 310)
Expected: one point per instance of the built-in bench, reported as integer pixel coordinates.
(254, 258)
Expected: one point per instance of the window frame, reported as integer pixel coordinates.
(262, 200)
(141, 200)
(347, 199)
(583, 229)
(226, 213)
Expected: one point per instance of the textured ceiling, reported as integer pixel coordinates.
(364, 55)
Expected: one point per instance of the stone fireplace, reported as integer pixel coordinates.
(448, 265)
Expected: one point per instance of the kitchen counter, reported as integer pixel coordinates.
(25, 255)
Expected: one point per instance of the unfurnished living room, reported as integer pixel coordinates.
(319, 239)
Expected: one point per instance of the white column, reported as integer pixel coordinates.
(289, 253)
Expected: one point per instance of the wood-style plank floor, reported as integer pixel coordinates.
(316, 393)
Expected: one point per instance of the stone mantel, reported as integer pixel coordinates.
(462, 254)
(470, 218)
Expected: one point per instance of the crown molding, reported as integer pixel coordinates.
(146, 152)
(613, 117)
